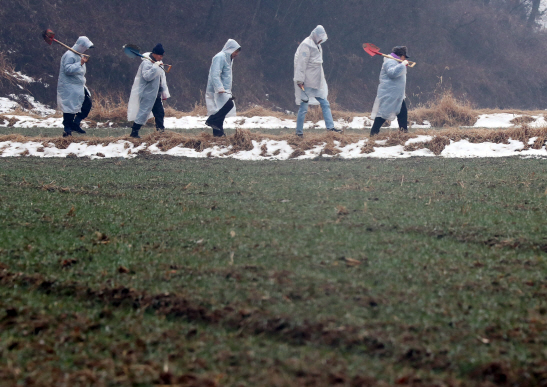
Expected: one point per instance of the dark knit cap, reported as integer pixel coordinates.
(400, 51)
(158, 50)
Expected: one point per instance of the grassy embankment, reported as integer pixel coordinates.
(159, 270)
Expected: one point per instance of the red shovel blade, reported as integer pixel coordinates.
(49, 36)
(371, 49)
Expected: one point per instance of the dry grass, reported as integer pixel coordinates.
(524, 119)
(445, 111)
(260, 111)
(243, 139)
(109, 108)
(199, 110)
(6, 68)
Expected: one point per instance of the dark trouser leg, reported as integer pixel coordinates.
(402, 118)
(68, 123)
(216, 121)
(135, 130)
(159, 114)
(86, 108)
(378, 122)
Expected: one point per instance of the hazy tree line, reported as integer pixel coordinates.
(491, 52)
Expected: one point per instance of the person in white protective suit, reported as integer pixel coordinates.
(148, 92)
(218, 96)
(390, 99)
(73, 97)
(310, 84)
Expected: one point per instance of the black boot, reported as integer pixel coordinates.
(135, 130)
(218, 133)
(76, 127)
(68, 123)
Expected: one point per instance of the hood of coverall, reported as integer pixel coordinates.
(319, 34)
(230, 46)
(82, 44)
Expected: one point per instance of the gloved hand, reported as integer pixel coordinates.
(158, 63)
(405, 62)
(300, 83)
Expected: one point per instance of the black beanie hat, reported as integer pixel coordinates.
(400, 51)
(158, 50)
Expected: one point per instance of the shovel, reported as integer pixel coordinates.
(133, 51)
(372, 50)
(49, 37)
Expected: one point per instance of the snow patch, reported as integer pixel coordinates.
(272, 150)
(7, 105)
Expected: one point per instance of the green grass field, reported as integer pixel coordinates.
(158, 270)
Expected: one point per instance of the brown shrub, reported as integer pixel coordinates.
(109, 107)
(414, 146)
(522, 120)
(199, 110)
(297, 153)
(368, 147)
(260, 111)
(437, 144)
(445, 111)
(315, 114)
(6, 68)
(242, 140)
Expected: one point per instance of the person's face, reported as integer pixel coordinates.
(403, 57)
(157, 57)
(235, 53)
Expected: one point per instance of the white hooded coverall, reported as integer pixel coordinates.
(220, 79)
(145, 91)
(391, 91)
(71, 84)
(308, 67)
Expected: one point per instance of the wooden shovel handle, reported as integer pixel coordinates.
(410, 64)
(71, 49)
(164, 66)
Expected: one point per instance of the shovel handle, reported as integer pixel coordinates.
(71, 49)
(410, 64)
(165, 67)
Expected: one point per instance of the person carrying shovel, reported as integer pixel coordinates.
(73, 97)
(309, 79)
(148, 92)
(390, 99)
(218, 96)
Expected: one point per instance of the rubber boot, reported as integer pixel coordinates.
(76, 127)
(135, 130)
(68, 123)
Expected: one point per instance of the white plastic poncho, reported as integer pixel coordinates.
(71, 84)
(220, 79)
(391, 91)
(145, 90)
(308, 67)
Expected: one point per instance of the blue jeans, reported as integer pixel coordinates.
(327, 115)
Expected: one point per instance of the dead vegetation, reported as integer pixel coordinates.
(246, 140)
(445, 111)
(6, 68)
(108, 108)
